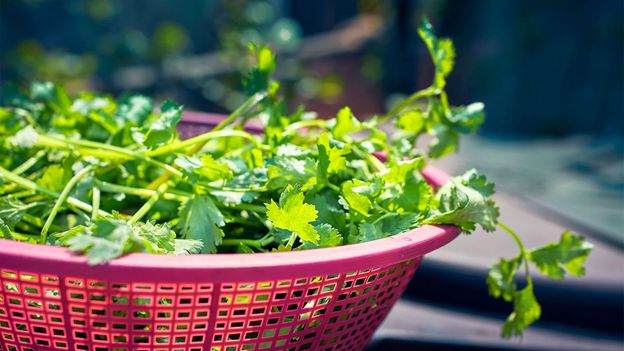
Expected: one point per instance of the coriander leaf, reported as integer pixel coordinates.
(204, 167)
(397, 171)
(355, 193)
(26, 138)
(107, 239)
(478, 182)
(415, 195)
(331, 160)
(526, 311)
(153, 238)
(11, 211)
(5, 231)
(293, 214)
(136, 109)
(53, 95)
(467, 119)
(185, 247)
(441, 50)
(368, 232)
(282, 171)
(398, 223)
(329, 237)
(345, 124)
(329, 209)
(259, 77)
(567, 255)
(500, 279)
(412, 121)
(231, 198)
(200, 219)
(462, 205)
(445, 141)
(103, 241)
(163, 128)
(55, 177)
(10, 121)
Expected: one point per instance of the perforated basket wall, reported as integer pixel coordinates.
(326, 299)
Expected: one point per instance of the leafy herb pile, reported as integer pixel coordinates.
(106, 177)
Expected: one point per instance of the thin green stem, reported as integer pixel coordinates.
(149, 204)
(291, 240)
(405, 103)
(334, 187)
(100, 149)
(523, 251)
(259, 244)
(318, 123)
(115, 188)
(61, 199)
(202, 138)
(174, 194)
(28, 184)
(249, 207)
(29, 163)
(95, 202)
(20, 194)
(242, 109)
(373, 161)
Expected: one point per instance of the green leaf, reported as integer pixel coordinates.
(259, 77)
(163, 128)
(441, 50)
(397, 171)
(135, 109)
(368, 232)
(445, 141)
(327, 203)
(329, 237)
(200, 219)
(331, 160)
(53, 95)
(153, 238)
(25, 138)
(293, 214)
(464, 206)
(345, 124)
(55, 177)
(186, 247)
(500, 279)
(107, 239)
(414, 196)
(283, 171)
(102, 242)
(567, 255)
(412, 121)
(468, 119)
(526, 311)
(204, 167)
(356, 193)
(10, 121)
(398, 223)
(478, 182)
(11, 211)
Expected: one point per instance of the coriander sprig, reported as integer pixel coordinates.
(106, 177)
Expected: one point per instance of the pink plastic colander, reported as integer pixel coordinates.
(324, 299)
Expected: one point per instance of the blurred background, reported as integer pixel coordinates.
(551, 74)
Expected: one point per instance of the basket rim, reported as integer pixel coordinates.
(408, 245)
